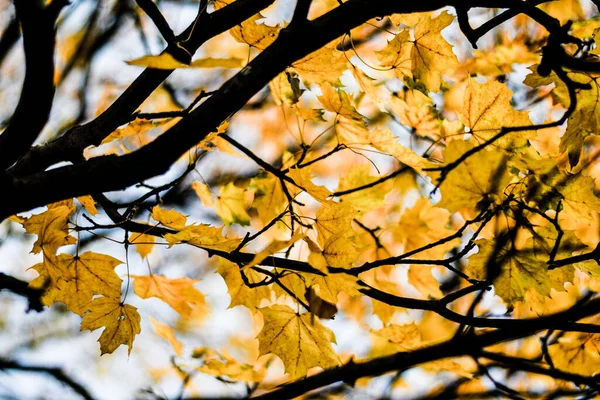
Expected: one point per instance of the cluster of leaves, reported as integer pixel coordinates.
(485, 224)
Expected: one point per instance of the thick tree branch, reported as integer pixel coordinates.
(460, 346)
(22, 288)
(105, 173)
(33, 109)
(70, 146)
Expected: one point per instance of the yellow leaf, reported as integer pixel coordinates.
(302, 177)
(421, 278)
(269, 198)
(251, 32)
(578, 355)
(17, 219)
(52, 228)
(585, 119)
(89, 204)
(431, 54)
(161, 61)
(517, 272)
(328, 287)
(422, 225)
(144, 243)
(166, 332)
(134, 128)
(373, 90)
(170, 218)
(318, 306)
(487, 108)
(203, 193)
(203, 236)
(179, 293)
(309, 114)
(579, 200)
(230, 205)
(404, 337)
(239, 292)
(316, 258)
(121, 322)
(477, 181)
(416, 110)
(337, 101)
(324, 65)
(210, 62)
(397, 54)
(340, 251)
(332, 219)
(285, 88)
(426, 57)
(226, 366)
(167, 61)
(299, 342)
(368, 199)
(272, 248)
(75, 280)
(564, 10)
(385, 141)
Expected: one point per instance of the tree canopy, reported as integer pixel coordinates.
(277, 198)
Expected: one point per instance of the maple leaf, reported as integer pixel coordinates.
(328, 287)
(224, 365)
(121, 323)
(231, 205)
(421, 278)
(517, 272)
(368, 199)
(240, 293)
(269, 198)
(87, 275)
(134, 128)
(477, 181)
(397, 54)
(324, 66)
(171, 218)
(89, 204)
(579, 200)
(52, 228)
(576, 355)
(424, 58)
(337, 101)
(402, 337)
(416, 110)
(179, 293)
(424, 224)
(299, 342)
(385, 141)
(303, 178)
(203, 192)
(487, 109)
(285, 88)
(431, 54)
(318, 306)
(204, 236)
(333, 218)
(272, 248)
(340, 251)
(144, 243)
(250, 31)
(585, 119)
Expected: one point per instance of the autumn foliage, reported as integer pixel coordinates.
(318, 198)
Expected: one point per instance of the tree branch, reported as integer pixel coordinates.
(37, 95)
